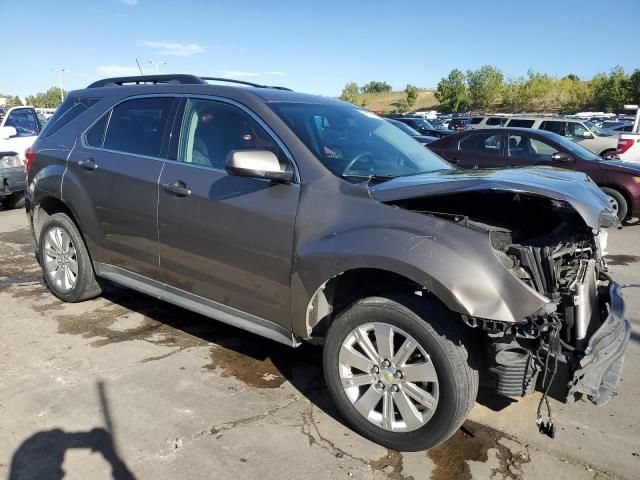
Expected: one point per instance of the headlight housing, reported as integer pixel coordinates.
(10, 161)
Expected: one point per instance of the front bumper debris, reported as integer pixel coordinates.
(600, 368)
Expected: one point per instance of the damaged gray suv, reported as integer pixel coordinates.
(306, 219)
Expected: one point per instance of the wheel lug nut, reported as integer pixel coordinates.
(394, 388)
(398, 374)
(380, 385)
(386, 363)
(375, 370)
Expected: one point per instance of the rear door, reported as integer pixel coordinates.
(117, 166)
(477, 150)
(226, 238)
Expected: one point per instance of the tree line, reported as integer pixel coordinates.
(49, 99)
(356, 94)
(486, 89)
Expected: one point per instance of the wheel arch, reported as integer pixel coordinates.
(343, 289)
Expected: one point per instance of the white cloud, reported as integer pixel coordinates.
(117, 70)
(174, 48)
(234, 73)
(130, 3)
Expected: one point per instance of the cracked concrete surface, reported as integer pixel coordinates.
(125, 386)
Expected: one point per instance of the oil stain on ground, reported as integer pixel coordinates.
(261, 363)
(472, 442)
(621, 259)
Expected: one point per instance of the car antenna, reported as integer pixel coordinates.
(139, 68)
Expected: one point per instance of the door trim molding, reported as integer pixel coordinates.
(195, 303)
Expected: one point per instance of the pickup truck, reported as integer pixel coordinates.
(629, 142)
(19, 128)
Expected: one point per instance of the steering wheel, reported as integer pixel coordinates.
(356, 159)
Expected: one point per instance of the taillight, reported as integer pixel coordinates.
(624, 144)
(30, 154)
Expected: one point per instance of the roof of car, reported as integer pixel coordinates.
(180, 84)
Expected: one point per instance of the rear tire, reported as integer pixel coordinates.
(65, 261)
(617, 201)
(453, 383)
(609, 154)
(15, 200)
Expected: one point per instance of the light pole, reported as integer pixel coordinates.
(157, 64)
(60, 70)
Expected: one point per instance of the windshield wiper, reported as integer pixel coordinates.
(371, 177)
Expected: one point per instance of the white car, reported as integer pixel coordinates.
(629, 143)
(19, 129)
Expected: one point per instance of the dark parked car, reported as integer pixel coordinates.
(423, 126)
(423, 139)
(303, 218)
(12, 180)
(459, 124)
(518, 147)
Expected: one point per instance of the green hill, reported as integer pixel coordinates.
(387, 102)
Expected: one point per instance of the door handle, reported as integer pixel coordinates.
(179, 188)
(88, 164)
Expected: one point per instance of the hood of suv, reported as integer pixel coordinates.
(574, 188)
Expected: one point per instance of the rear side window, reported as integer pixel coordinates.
(485, 143)
(95, 136)
(555, 127)
(521, 123)
(66, 112)
(476, 120)
(137, 126)
(497, 121)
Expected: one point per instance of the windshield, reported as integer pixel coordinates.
(357, 144)
(423, 123)
(576, 149)
(597, 130)
(405, 128)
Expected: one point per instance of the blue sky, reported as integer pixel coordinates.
(311, 46)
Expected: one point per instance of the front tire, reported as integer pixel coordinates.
(65, 261)
(398, 371)
(617, 201)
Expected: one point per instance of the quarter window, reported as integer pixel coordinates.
(137, 126)
(95, 136)
(520, 123)
(485, 143)
(66, 112)
(210, 130)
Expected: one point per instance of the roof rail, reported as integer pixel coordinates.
(154, 79)
(243, 82)
(178, 78)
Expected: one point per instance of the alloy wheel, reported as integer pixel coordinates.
(614, 204)
(60, 259)
(388, 377)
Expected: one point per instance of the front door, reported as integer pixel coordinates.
(524, 149)
(226, 238)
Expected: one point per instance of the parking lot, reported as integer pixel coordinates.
(125, 386)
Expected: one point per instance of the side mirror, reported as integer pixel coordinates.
(256, 164)
(587, 134)
(561, 157)
(7, 132)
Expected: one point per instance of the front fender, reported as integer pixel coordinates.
(456, 264)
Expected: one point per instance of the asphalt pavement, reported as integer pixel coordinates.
(126, 386)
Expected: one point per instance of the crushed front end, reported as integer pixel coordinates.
(573, 347)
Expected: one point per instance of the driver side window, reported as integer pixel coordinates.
(23, 121)
(528, 148)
